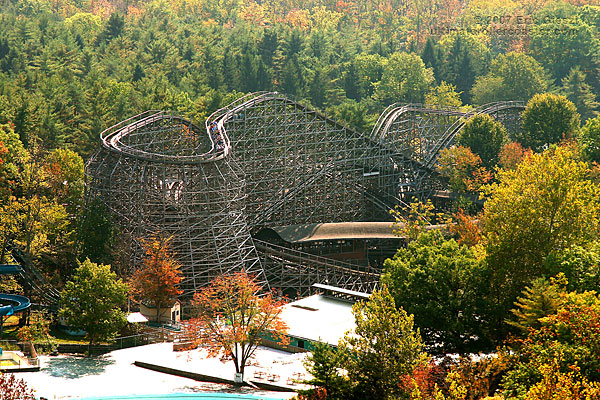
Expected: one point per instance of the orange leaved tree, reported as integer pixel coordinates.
(231, 317)
(157, 279)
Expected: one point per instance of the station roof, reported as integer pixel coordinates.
(341, 291)
(319, 318)
(336, 230)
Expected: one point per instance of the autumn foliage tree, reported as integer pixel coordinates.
(157, 280)
(12, 388)
(546, 205)
(512, 154)
(231, 318)
(463, 169)
(560, 359)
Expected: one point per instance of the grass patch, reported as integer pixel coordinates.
(60, 336)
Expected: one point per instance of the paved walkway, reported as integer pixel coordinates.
(72, 377)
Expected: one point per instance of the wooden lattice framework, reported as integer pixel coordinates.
(265, 160)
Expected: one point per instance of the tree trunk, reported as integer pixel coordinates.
(90, 346)
(158, 313)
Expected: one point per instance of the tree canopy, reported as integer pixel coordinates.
(512, 76)
(548, 119)
(485, 137)
(230, 318)
(439, 281)
(383, 348)
(92, 301)
(547, 204)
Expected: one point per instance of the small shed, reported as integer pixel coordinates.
(167, 314)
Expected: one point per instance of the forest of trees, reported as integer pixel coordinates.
(69, 69)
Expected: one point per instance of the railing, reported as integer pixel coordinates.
(141, 339)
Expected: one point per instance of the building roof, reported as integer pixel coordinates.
(336, 230)
(319, 318)
(136, 317)
(341, 291)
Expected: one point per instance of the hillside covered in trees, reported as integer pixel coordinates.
(69, 69)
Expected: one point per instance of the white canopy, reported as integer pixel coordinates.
(136, 317)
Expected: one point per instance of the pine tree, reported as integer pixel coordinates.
(114, 27)
(138, 73)
(318, 86)
(267, 47)
(465, 77)
(575, 88)
(539, 300)
(431, 57)
(351, 82)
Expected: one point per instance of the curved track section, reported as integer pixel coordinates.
(421, 132)
(16, 302)
(302, 167)
(157, 172)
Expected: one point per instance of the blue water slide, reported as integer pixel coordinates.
(17, 303)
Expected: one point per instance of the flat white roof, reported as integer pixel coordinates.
(342, 290)
(319, 318)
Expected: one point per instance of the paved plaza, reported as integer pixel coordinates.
(113, 374)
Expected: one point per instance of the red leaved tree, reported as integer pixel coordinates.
(12, 388)
(157, 278)
(466, 229)
(231, 317)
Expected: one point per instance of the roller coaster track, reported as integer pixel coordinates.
(453, 130)
(385, 131)
(32, 278)
(263, 160)
(306, 269)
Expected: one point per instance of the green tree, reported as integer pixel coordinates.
(432, 57)
(355, 114)
(575, 88)
(92, 301)
(559, 43)
(114, 27)
(383, 347)
(590, 139)
(12, 157)
(65, 178)
(370, 69)
(443, 284)
(459, 69)
(326, 365)
(443, 95)
(404, 79)
(95, 233)
(545, 205)
(512, 76)
(540, 299)
(579, 264)
(547, 119)
(485, 137)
